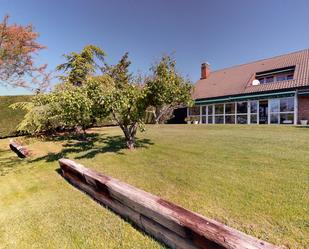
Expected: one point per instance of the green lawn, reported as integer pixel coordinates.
(10, 118)
(253, 178)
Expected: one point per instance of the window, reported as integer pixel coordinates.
(281, 110)
(219, 109)
(273, 105)
(275, 75)
(242, 119)
(286, 118)
(242, 107)
(204, 110)
(210, 110)
(269, 79)
(230, 113)
(230, 119)
(287, 105)
(253, 111)
(209, 119)
(210, 114)
(230, 108)
(206, 114)
(280, 77)
(203, 119)
(219, 119)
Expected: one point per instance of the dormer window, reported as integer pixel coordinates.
(276, 75)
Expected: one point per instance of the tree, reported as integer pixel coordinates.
(127, 102)
(18, 46)
(81, 65)
(167, 89)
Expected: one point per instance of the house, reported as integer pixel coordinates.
(269, 91)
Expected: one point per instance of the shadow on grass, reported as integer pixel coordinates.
(90, 145)
(8, 162)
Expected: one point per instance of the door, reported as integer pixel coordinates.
(263, 112)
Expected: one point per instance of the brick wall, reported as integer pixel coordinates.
(303, 108)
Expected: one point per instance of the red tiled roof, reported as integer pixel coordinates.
(238, 79)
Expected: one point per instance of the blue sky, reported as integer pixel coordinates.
(222, 32)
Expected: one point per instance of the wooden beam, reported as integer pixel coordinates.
(175, 226)
(20, 150)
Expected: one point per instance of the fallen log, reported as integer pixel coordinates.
(20, 150)
(175, 226)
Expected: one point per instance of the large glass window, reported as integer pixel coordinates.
(287, 105)
(230, 119)
(274, 105)
(242, 110)
(242, 119)
(281, 110)
(219, 109)
(242, 107)
(219, 119)
(253, 111)
(229, 108)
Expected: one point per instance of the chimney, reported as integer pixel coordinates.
(205, 70)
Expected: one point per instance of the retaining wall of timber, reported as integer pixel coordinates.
(171, 224)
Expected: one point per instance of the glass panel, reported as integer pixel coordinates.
(219, 119)
(281, 77)
(210, 110)
(287, 105)
(209, 119)
(274, 118)
(253, 106)
(242, 119)
(230, 119)
(203, 110)
(203, 119)
(287, 118)
(195, 110)
(253, 119)
(219, 109)
(242, 107)
(289, 77)
(262, 80)
(269, 79)
(230, 108)
(274, 105)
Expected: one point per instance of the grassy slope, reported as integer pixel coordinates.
(10, 118)
(253, 178)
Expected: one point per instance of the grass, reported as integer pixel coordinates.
(10, 118)
(253, 178)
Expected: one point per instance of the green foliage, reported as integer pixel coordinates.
(40, 114)
(126, 101)
(67, 107)
(167, 89)
(81, 65)
(9, 118)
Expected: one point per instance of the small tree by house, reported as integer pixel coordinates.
(167, 89)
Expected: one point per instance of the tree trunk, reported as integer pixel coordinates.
(130, 133)
(130, 143)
